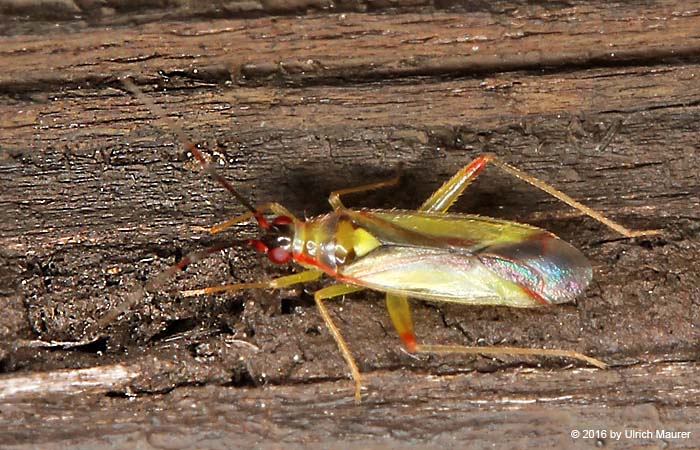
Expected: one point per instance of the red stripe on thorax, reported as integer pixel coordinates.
(306, 259)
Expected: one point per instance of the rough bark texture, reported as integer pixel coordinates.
(601, 101)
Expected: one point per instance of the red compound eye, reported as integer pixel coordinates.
(279, 255)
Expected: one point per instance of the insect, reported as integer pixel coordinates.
(429, 254)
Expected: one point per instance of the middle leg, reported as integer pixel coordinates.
(337, 290)
(441, 200)
(334, 197)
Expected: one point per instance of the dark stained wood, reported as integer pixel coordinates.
(95, 198)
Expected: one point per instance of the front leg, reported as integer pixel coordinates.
(276, 208)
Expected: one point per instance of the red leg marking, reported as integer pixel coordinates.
(409, 341)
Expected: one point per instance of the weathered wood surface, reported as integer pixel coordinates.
(601, 101)
(522, 408)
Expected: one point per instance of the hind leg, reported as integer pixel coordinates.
(449, 192)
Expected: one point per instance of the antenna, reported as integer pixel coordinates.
(185, 141)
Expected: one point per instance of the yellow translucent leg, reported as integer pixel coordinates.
(400, 313)
(509, 351)
(288, 280)
(337, 290)
(517, 173)
(272, 206)
(440, 201)
(448, 193)
(334, 198)
(327, 292)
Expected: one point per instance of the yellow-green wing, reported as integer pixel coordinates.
(455, 228)
(466, 259)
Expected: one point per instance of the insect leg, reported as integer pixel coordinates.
(440, 201)
(159, 279)
(517, 173)
(401, 317)
(509, 351)
(400, 314)
(397, 305)
(288, 280)
(334, 197)
(272, 206)
(337, 290)
(448, 193)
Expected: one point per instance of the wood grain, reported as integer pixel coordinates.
(96, 197)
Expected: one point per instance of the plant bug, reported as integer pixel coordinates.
(429, 254)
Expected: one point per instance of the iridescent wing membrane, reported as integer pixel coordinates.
(465, 259)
